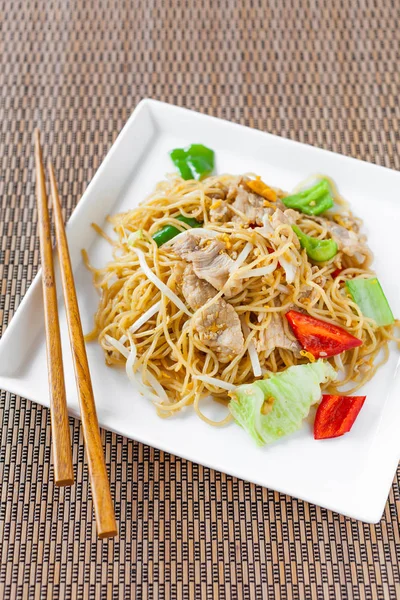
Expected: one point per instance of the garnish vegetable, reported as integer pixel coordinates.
(319, 338)
(336, 415)
(194, 162)
(271, 408)
(318, 250)
(314, 201)
(369, 296)
(168, 232)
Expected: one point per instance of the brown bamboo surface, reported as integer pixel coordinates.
(321, 72)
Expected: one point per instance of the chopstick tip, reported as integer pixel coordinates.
(38, 147)
(107, 534)
(65, 482)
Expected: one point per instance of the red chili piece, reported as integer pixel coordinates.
(336, 415)
(320, 338)
(336, 272)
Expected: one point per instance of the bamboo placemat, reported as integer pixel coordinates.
(321, 72)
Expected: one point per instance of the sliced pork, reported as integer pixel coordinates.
(275, 336)
(209, 260)
(250, 206)
(350, 242)
(271, 221)
(197, 292)
(218, 325)
(275, 218)
(220, 212)
(240, 206)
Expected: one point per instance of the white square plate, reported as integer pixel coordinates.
(352, 474)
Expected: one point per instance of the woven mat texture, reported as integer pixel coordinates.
(322, 72)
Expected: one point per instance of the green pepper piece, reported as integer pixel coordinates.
(313, 201)
(169, 231)
(179, 158)
(194, 162)
(369, 296)
(318, 250)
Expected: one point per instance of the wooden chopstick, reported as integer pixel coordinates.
(61, 441)
(103, 505)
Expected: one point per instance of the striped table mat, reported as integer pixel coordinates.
(325, 73)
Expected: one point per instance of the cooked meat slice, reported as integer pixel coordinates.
(250, 205)
(351, 243)
(271, 221)
(196, 292)
(216, 271)
(279, 204)
(219, 328)
(194, 242)
(218, 325)
(348, 221)
(220, 212)
(291, 215)
(240, 205)
(275, 336)
(209, 260)
(275, 218)
(235, 186)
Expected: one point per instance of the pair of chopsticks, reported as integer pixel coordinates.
(62, 454)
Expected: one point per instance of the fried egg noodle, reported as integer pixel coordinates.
(165, 355)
